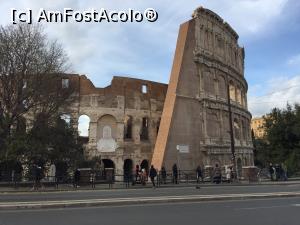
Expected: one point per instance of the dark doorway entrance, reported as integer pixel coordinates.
(145, 165)
(127, 168)
(108, 163)
(109, 169)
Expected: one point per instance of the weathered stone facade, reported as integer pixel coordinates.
(128, 110)
(208, 64)
(136, 121)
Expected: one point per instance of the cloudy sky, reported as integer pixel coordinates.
(268, 29)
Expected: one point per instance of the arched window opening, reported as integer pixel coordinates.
(145, 165)
(83, 126)
(238, 95)
(232, 91)
(144, 130)
(144, 89)
(213, 126)
(128, 167)
(237, 129)
(109, 169)
(128, 127)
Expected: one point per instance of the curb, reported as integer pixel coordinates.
(16, 191)
(142, 200)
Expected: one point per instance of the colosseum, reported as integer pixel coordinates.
(189, 122)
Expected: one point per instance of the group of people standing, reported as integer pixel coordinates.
(141, 175)
(278, 172)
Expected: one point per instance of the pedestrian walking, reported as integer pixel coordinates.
(284, 171)
(163, 173)
(175, 174)
(143, 176)
(271, 171)
(76, 178)
(228, 174)
(37, 176)
(217, 174)
(127, 177)
(93, 178)
(152, 175)
(277, 172)
(199, 174)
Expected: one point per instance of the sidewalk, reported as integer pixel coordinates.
(120, 185)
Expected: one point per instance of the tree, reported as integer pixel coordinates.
(56, 143)
(282, 140)
(30, 78)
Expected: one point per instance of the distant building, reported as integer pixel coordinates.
(257, 125)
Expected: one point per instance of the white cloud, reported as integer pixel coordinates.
(295, 60)
(279, 92)
(249, 16)
(144, 50)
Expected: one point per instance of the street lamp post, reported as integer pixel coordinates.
(232, 144)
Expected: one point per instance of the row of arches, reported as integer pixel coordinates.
(128, 165)
(219, 127)
(217, 86)
(84, 126)
(226, 48)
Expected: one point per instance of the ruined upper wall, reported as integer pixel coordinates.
(123, 92)
(217, 41)
(122, 86)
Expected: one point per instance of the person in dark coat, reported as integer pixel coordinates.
(271, 171)
(152, 175)
(199, 174)
(127, 177)
(76, 178)
(163, 173)
(175, 174)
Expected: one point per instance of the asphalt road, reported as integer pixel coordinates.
(149, 192)
(280, 211)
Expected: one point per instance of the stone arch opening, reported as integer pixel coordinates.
(84, 126)
(209, 85)
(145, 165)
(237, 130)
(108, 163)
(106, 134)
(213, 128)
(244, 131)
(222, 87)
(232, 91)
(144, 136)
(239, 95)
(128, 127)
(127, 168)
(109, 168)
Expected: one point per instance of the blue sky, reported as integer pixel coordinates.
(268, 29)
